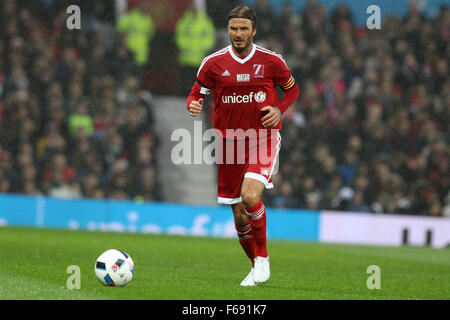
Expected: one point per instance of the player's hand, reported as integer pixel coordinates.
(272, 116)
(195, 107)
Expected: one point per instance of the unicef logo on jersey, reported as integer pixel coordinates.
(260, 96)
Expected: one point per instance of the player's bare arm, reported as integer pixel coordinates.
(272, 116)
(195, 107)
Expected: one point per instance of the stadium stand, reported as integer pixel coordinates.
(75, 120)
(369, 133)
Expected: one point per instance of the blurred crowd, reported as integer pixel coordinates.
(369, 132)
(75, 120)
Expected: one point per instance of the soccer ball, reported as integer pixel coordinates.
(114, 268)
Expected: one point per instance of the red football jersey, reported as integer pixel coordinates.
(241, 87)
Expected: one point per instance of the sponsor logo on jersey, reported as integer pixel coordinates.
(260, 96)
(248, 98)
(259, 70)
(243, 77)
(226, 73)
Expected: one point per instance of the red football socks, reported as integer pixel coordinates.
(257, 215)
(246, 239)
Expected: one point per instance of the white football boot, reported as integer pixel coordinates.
(248, 281)
(261, 271)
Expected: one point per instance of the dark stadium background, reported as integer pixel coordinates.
(369, 132)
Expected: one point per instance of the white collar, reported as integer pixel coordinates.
(242, 61)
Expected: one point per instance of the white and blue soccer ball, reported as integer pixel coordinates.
(114, 268)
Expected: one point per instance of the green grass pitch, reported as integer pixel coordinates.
(33, 265)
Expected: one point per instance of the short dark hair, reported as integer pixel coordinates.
(244, 13)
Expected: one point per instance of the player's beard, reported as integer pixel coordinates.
(240, 50)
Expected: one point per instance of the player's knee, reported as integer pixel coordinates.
(249, 198)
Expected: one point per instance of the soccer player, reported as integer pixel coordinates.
(243, 79)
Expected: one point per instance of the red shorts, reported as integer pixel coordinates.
(255, 159)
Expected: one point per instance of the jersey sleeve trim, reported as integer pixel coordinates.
(289, 84)
(204, 89)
